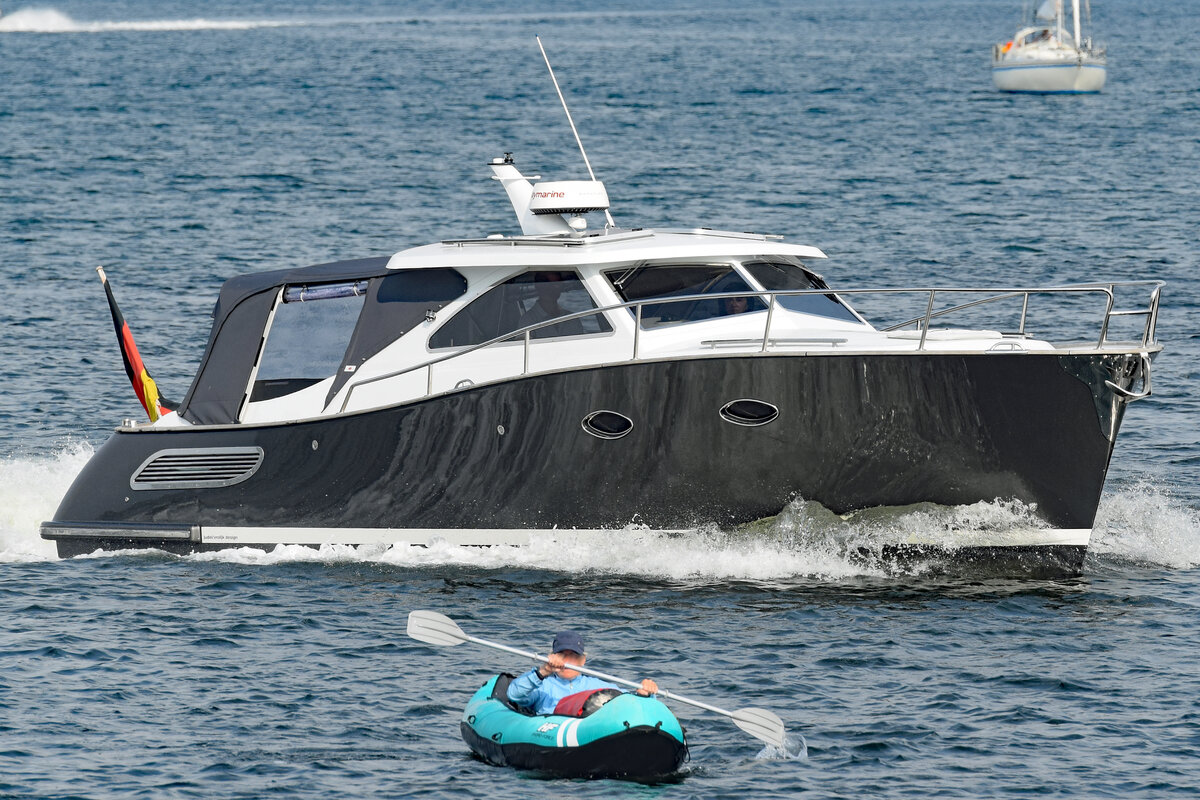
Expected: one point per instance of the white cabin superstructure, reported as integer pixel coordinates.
(589, 271)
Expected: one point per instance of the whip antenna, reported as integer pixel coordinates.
(571, 122)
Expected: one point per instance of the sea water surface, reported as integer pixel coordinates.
(179, 144)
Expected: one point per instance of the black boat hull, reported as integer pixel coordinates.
(853, 431)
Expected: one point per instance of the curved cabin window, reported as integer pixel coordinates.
(396, 304)
(528, 299)
(782, 276)
(308, 337)
(683, 280)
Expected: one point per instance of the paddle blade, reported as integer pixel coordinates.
(761, 725)
(431, 627)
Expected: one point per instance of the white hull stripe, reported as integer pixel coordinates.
(568, 734)
(573, 734)
(236, 537)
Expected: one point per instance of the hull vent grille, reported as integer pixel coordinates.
(197, 468)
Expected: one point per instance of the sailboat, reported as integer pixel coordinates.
(1048, 58)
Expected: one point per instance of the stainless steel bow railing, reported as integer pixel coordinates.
(1107, 290)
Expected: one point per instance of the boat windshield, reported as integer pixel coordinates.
(783, 276)
(528, 299)
(683, 280)
(307, 337)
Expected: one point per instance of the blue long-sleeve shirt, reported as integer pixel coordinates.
(530, 691)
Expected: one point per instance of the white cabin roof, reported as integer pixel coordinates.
(599, 248)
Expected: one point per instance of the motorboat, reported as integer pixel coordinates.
(622, 736)
(485, 390)
(1047, 58)
(570, 379)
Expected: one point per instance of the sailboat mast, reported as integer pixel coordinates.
(1058, 18)
(1075, 16)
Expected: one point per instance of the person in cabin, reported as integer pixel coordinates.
(548, 687)
(550, 286)
(735, 305)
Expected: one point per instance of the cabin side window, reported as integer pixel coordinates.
(782, 276)
(680, 281)
(308, 337)
(528, 299)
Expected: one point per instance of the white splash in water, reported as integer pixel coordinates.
(795, 748)
(1146, 525)
(34, 20)
(31, 490)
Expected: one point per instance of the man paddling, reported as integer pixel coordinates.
(543, 687)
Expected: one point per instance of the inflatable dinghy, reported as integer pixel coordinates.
(628, 736)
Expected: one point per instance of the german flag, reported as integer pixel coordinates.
(139, 376)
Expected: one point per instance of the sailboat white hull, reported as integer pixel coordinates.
(1047, 78)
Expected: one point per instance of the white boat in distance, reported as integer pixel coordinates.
(1046, 58)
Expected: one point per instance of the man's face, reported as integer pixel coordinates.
(571, 657)
(549, 287)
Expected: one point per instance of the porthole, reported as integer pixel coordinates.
(748, 412)
(607, 424)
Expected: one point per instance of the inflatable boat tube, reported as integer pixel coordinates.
(630, 737)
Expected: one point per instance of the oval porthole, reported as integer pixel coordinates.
(749, 412)
(607, 424)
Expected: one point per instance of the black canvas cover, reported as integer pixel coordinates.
(239, 319)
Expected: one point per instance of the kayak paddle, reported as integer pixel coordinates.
(431, 627)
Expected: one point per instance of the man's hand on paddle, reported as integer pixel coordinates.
(553, 665)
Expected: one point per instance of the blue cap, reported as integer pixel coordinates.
(568, 640)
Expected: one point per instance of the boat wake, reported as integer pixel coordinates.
(1137, 525)
(1143, 525)
(49, 20)
(31, 489)
(31, 20)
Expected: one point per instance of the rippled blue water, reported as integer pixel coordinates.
(181, 143)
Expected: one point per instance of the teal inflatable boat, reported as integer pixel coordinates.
(628, 736)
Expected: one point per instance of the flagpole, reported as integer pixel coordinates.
(139, 377)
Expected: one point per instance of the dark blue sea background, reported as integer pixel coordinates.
(181, 143)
